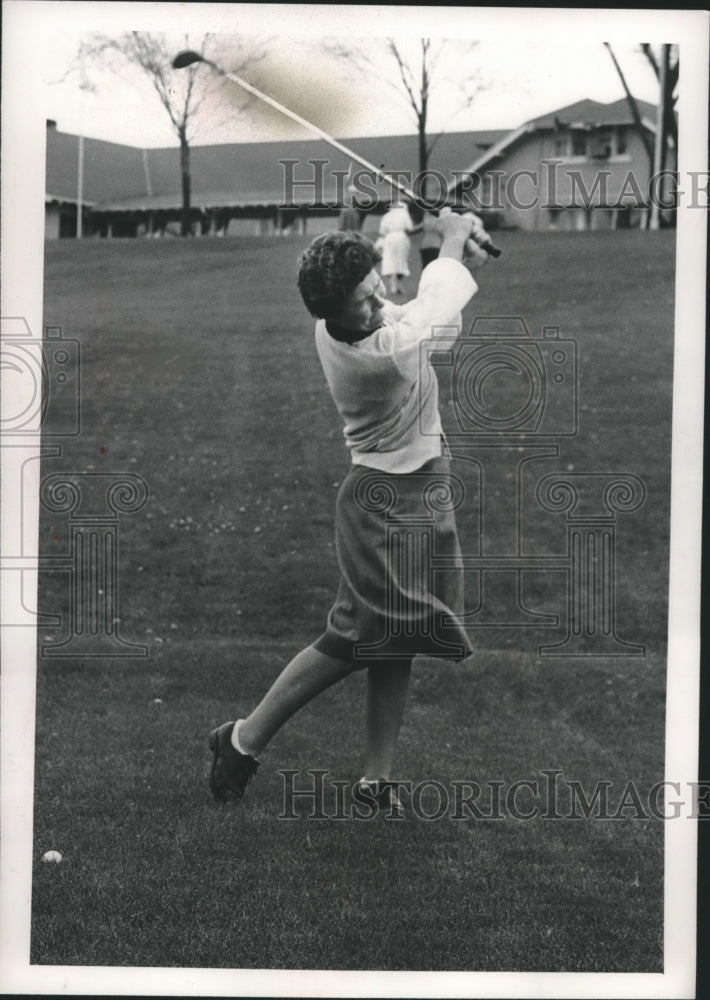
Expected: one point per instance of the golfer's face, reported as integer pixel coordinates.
(362, 312)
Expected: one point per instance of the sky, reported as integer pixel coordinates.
(526, 63)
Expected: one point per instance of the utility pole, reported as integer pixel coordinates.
(80, 187)
(84, 86)
(661, 144)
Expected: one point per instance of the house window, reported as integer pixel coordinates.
(620, 141)
(561, 145)
(601, 144)
(579, 143)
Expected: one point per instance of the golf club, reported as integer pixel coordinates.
(188, 58)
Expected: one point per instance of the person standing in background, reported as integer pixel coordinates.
(430, 239)
(395, 228)
(349, 219)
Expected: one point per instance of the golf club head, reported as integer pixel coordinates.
(186, 58)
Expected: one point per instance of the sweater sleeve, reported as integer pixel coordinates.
(446, 286)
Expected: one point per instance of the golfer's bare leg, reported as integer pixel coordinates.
(387, 687)
(308, 673)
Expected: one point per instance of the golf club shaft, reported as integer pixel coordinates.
(488, 246)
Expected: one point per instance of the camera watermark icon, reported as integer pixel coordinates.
(42, 379)
(515, 399)
(42, 406)
(505, 383)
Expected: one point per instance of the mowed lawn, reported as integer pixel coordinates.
(199, 373)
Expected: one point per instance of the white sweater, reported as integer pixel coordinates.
(384, 386)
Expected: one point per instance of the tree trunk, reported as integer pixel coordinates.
(661, 143)
(421, 187)
(671, 84)
(185, 227)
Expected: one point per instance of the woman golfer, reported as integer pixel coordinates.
(389, 606)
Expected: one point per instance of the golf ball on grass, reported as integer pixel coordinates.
(52, 857)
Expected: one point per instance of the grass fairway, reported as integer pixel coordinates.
(199, 373)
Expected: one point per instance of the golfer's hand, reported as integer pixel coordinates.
(452, 226)
(461, 234)
(473, 256)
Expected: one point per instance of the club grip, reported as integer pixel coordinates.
(491, 249)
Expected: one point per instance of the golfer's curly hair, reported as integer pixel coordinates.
(331, 268)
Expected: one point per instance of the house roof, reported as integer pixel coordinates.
(118, 177)
(584, 114)
(592, 113)
(110, 169)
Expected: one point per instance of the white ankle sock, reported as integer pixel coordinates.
(235, 737)
(374, 785)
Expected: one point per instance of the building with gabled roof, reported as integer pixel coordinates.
(254, 187)
(584, 166)
(581, 166)
(587, 113)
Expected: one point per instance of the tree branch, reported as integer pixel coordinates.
(181, 92)
(650, 55)
(405, 75)
(633, 106)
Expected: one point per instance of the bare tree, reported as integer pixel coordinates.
(633, 106)
(666, 67)
(419, 75)
(181, 92)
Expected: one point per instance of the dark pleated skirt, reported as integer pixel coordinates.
(401, 578)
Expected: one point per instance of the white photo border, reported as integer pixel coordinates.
(27, 30)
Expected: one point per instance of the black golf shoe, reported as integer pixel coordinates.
(231, 770)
